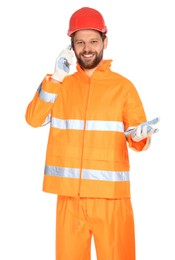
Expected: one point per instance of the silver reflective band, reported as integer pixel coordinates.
(86, 174)
(67, 124)
(104, 125)
(90, 125)
(105, 175)
(47, 97)
(47, 120)
(62, 172)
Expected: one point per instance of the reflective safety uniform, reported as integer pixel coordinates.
(87, 152)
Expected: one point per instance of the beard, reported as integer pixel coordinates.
(89, 63)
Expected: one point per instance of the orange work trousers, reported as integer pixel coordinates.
(109, 221)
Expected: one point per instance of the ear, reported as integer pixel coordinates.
(72, 43)
(105, 42)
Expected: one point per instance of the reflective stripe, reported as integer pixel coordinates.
(47, 120)
(46, 96)
(87, 174)
(105, 175)
(62, 172)
(104, 125)
(90, 125)
(67, 124)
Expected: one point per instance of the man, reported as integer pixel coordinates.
(93, 114)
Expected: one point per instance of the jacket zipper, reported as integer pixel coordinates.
(84, 133)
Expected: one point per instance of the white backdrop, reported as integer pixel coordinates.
(141, 44)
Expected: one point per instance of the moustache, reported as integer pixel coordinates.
(87, 53)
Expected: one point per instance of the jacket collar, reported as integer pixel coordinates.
(103, 69)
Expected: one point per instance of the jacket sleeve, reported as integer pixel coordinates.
(133, 116)
(39, 109)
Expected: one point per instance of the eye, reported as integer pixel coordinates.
(93, 42)
(79, 43)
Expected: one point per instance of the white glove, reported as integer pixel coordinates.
(145, 130)
(62, 64)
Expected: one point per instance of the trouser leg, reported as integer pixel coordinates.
(113, 229)
(73, 238)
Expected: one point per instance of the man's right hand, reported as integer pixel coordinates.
(145, 130)
(62, 65)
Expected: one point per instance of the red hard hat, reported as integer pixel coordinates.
(86, 18)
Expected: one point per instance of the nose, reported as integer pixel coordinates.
(86, 46)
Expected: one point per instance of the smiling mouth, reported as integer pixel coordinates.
(87, 56)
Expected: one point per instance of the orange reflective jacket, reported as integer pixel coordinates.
(87, 151)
